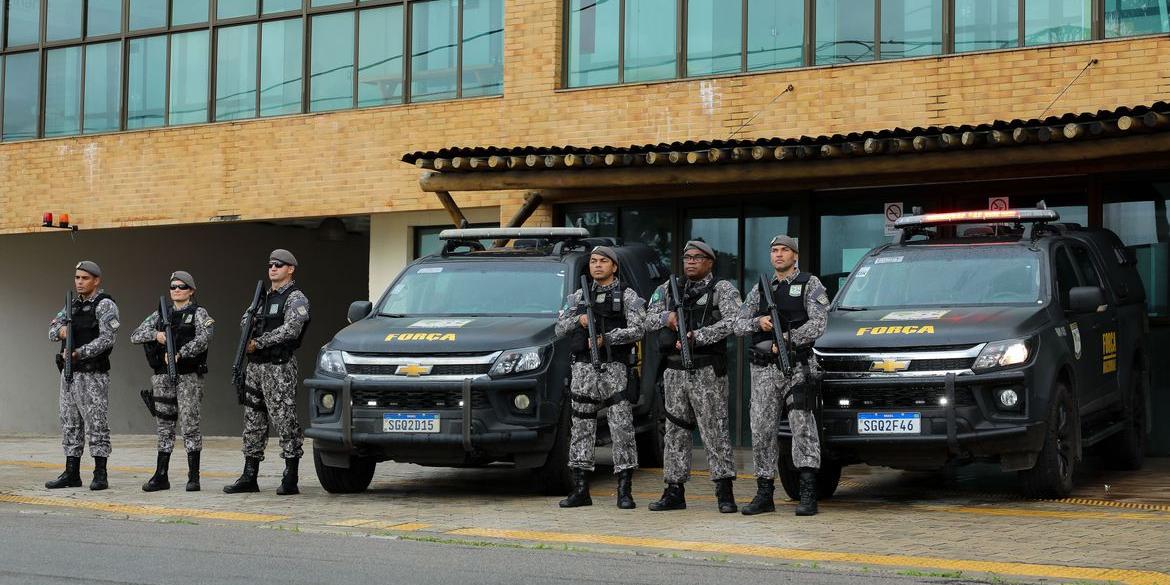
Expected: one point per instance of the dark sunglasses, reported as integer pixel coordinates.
(276, 264)
(180, 287)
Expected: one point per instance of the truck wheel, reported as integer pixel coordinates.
(554, 477)
(828, 476)
(1127, 450)
(337, 480)
(1052, 476)
(652, 443)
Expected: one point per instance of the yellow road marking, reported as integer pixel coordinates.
(1133, 577)
(127, 469)
(381, 525)
(136, 510)
(1046, 513)
(1112, 504)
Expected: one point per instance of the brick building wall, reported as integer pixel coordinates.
(347, 162)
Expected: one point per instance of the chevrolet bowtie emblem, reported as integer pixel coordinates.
(889, 366)
(413, 370)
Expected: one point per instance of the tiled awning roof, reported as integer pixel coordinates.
(1124, 121)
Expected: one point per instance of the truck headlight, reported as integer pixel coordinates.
(515, 361)
(1002, 354)
(331, 363)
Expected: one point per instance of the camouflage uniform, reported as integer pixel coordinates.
(187, 395)
(595, 391)
(278, 385)
(84, 404)
(698, 395)
(769, 386)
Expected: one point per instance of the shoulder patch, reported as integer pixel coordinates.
(657, 295)
(302, 311)
(114, 324)
(823, 299)
(209, 322)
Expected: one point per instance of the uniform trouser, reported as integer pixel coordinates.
(178, 405)
(84, 408)
(769, 386)
(591, 393)
(278, 384)
(699, 397)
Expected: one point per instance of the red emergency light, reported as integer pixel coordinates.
(62, 221)
(984, 216)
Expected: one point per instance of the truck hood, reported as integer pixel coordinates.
(898, 328)
(428, 335)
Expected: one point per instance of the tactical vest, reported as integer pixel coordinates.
(790, 303)
(609, 309)
(701, 309)
(271, 320)
(85, 330)
(183, 327)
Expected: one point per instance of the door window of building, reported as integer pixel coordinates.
(427, 242)
(1137, 212)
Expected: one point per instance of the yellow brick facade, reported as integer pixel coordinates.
(347, 162)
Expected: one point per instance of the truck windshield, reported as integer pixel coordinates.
(478, 288)
(945, 276)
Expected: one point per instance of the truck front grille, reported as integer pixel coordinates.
(854, 366)
(436, 370)
(416, 398)
(910, 396)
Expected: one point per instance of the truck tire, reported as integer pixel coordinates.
(828, 476)
(337, 480)
(652, 443)
(554, 476)
(1052, 476)
(1127, 450)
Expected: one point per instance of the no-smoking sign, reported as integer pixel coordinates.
(998, 203)
(892, 212)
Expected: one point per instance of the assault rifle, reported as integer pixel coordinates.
(67, 356)
(684, 343)
(164, 318)
(587, 295)
(239, 369)
(779, 329)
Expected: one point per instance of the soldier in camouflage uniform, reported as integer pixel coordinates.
(620, 314)
(272, 376)
(698, 395)
(84, 402)
(800, 300)
(192, 328)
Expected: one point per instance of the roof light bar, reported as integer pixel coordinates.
(986, 216)
(562, 233)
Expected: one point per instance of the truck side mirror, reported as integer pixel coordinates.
(359, 310)
(1085, 299)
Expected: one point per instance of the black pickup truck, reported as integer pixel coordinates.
(457, 364)
(1001, 336)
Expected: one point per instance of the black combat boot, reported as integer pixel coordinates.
(763, 502)
(160, 480)
(674, 497)
(625, 496)
(71, 477)
(193, 471)
(724, 496)
(808, 492)
(288, 482)
(247, 481)
(580, 494)
(100, 481)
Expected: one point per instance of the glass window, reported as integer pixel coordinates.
(24, 22)
(427, 242)
(147, 14)
(775, 34)
(274, 6)
(981, 25)
(599, 223)
(911, 28)
(593, 42)
(21, 96)
(317, 3)
(146, 84)
(188, 12)
(926, 277)
(234, 8)
(63, 92)
(1066, 276)
(509, 288)
(103, 88)
(1125, 18)
(714, 37)
(1140, 215)
(235, 73)
(280, 67)
(844, 31)
(1056, 21)
(380, 56)
(331, 63)
(483, 47)
(63, 20)
(432, 53)
(189, 77)
(653, 226)
(651, 40)
(105, 18)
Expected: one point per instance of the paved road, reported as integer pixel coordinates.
(54, 548)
